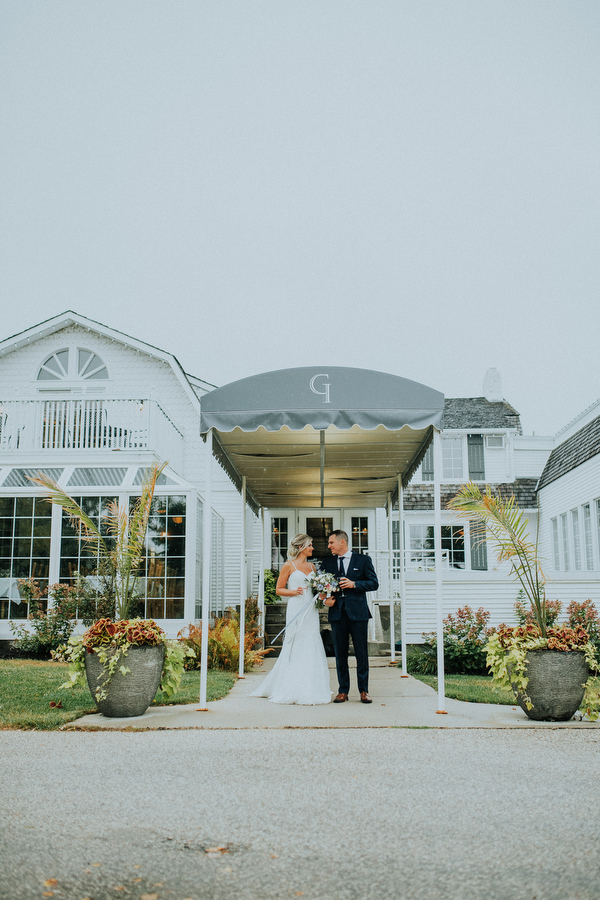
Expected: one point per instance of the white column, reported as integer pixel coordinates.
(391, 580)
(437, 537)
(243, 582)
(261, 571)
(402, 577)
(206, 558)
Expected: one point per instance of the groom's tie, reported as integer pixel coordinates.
(341, 565)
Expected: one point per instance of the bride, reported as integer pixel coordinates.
(301, 674)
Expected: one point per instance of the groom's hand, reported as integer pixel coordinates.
(346, 584)
(328, 601)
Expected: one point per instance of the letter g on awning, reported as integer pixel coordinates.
(322, 436)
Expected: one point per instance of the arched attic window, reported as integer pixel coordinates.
(72, 365)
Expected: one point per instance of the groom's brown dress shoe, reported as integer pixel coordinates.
(364, 697)
(341, 698)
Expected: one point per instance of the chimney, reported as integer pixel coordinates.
(492, 386)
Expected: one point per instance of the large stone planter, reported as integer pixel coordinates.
(130, 694)
(556, 684)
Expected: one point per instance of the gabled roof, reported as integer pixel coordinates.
(577, 449)
(477, 412)
(68, 318)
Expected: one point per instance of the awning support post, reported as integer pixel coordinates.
(322, 466)
(206, 558)
(391, 579)
(437, 539)
(243, 583)
(261, 571)
(402, 574)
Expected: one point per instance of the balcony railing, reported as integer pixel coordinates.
(31, 425)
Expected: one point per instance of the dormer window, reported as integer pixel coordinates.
(72, 365)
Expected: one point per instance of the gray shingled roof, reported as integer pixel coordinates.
(576, 450)
(420, 496)
(477, 412)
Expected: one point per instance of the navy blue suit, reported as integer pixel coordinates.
(350, 615)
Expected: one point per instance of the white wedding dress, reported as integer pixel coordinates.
(301, 673)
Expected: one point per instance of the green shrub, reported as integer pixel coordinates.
(526, 615)
(49, 627)
(271, 576)
(465, 637)
(224, 641)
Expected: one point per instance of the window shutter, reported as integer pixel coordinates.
(427, 465)
(478, 547)
(476, 462)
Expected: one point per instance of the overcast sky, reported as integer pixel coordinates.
(411, 187)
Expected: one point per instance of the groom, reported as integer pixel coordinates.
(349, 613)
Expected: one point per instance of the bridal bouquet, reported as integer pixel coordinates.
(322, 583)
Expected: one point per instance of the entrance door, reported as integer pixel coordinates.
(319, 523)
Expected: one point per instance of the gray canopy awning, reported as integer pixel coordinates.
(320, 437)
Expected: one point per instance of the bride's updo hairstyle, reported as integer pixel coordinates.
(298, 544)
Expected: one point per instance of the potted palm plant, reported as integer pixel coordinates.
(548, 667)
(124, 661)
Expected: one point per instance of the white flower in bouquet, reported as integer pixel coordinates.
(322, 583)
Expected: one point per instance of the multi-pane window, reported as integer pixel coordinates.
(576, 538)
(25, 525)
(587, 533)
(421, 546)
(453, 543)
(452, 457)
(565, 541)
(162, 568)
(360, 534)
(78, 556)
(279, 541)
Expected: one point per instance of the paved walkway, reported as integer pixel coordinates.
(397, 703)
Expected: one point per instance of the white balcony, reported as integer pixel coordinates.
(34, 425)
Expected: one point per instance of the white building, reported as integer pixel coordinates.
(94, 408)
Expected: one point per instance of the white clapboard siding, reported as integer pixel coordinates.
(491, 591)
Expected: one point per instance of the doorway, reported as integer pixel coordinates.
(319, 524)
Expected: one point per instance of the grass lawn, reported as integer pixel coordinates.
(27, 687)
(471, 688)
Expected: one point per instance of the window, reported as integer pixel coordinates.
(475, 457)
(78, 556)
(25, 524)
(71, 365)
(279, 541)
(396, 548)
(494, 441)
(576, 539)
(453, 542)
(163, 564)
(565, 541)
(587, 531)
(452, 457)
(360, 534)
(162, 568)
(555, 544)
(421, 549)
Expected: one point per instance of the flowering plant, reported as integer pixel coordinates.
(111, 641)
(507, 650)
(322, 583)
